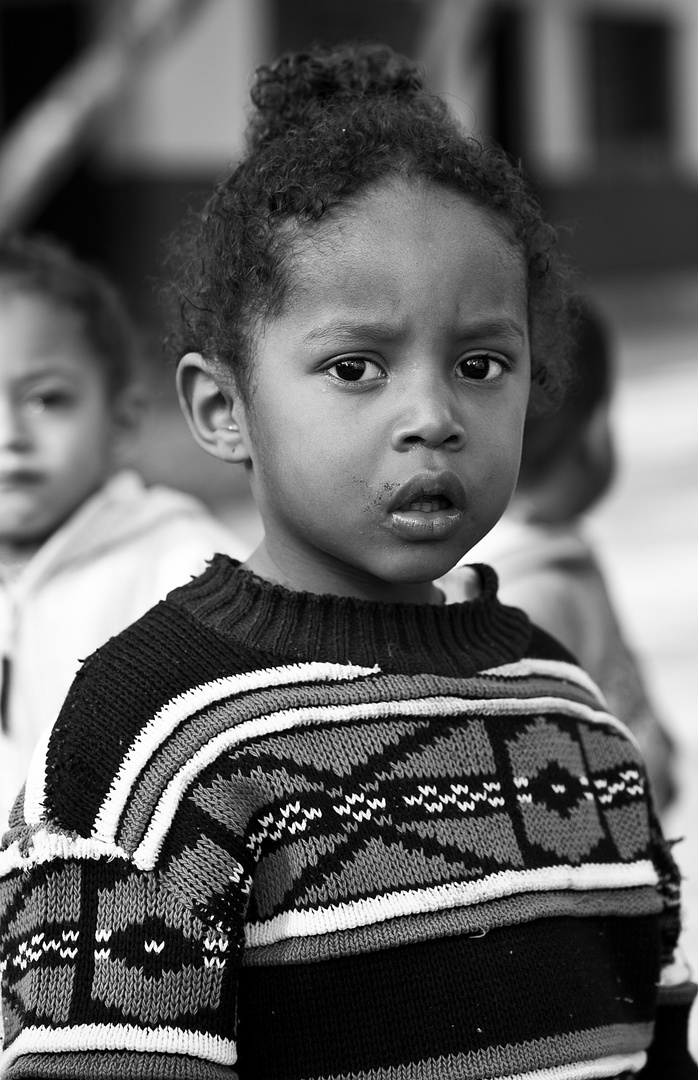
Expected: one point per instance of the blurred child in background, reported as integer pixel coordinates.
(85, 547)
(544, 561)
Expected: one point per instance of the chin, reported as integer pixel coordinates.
(420, 569)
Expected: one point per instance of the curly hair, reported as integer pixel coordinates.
(328, 122)
(42, 266)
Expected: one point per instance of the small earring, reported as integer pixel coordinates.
(231, 427)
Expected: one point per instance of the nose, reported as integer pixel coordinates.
(429, 417)
(13, 433)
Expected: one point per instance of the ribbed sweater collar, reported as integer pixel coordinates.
(295, 627)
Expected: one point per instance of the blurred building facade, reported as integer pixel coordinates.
(598, 97)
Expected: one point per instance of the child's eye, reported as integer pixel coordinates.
(38, 403)
(356, 369)
(482, 367)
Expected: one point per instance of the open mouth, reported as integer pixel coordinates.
(425, 504)
(429, 507)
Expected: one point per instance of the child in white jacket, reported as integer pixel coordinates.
(85, 547)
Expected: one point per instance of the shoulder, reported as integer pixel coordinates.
(519, 549)
(549, 671)
(165, 656)
(546, 646)
(156, 511)
(548, 664)
(128, 512)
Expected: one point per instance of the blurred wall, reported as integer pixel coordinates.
(598, 97)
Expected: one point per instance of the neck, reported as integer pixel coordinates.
(299, 574)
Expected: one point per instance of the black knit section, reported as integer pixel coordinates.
(300, 627)
(669, 1056)
(447, 996)
(545, 647)
(116, 692)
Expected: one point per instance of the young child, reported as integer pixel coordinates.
(544, 561)
(333, 826)
(85, 548)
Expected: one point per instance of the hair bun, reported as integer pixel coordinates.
(291, 92)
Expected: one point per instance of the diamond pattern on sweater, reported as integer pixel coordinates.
(394, 805)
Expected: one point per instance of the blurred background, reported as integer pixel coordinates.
(116, 115)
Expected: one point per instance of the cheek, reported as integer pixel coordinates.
(63, 441)
(93, 440)
(503, 460)
(290, 439)
(500, 435)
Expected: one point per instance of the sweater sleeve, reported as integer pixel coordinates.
(104, 968)
(669, 1055)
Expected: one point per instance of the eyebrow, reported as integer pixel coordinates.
(39, 374)
(348, 329)
(497, 328)
(504, 327)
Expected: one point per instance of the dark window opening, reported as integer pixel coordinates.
(37, 41)
(631, 91)
(505, 46)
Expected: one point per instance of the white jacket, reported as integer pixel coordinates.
(121, 552)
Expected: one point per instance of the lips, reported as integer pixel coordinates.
(429, 493)
(429, 507)
(18, 478)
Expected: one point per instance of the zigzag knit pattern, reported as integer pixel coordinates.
(277, 836)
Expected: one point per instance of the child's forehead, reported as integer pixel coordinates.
(39, 334)
(400, 214)
(384, 245)
(21, 298)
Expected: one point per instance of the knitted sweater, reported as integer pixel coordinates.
(276, 836)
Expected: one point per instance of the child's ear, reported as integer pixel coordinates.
(211, 405)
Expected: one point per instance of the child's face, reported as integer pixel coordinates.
(56, 423)
(385, 422)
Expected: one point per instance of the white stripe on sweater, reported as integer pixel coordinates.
(375, 909)
(603, 1069)
(560, 670)
(47, 845)
(114, 1037)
